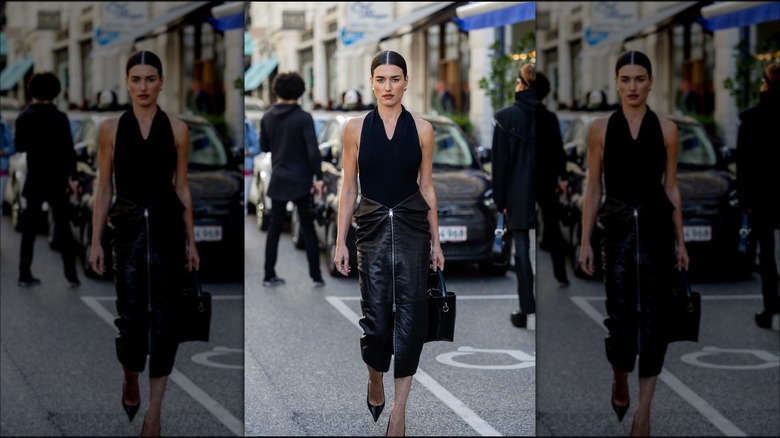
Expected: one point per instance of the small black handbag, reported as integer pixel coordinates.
(193, 311)
(441, 309)
(502, 245)
(684, 312)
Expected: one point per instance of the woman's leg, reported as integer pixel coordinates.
(641, 424)
(397, 423)
(375, 387)
(157, 387)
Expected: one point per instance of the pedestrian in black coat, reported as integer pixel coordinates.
(514, 184)
(287, 132)
(550, 179)
(43, 132)
(757, 158)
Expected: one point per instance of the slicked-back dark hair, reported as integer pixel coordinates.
(634, 57)
(144, 57)
(44, 85)
(289, 85)
(388, 57)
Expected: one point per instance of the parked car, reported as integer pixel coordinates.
(707, 181)
(261, 174)
(465, 207)
(216, 186)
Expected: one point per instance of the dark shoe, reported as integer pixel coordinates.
(764, 319)
(519, 319)
(273, 282)
(319, 283)
(375, 410)
(29, 281)
(620, 411)
(562, 281)
(74, 282)
(130, 410)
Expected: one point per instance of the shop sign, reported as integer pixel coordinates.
(124, 16)
(613, 16)
(369, 16)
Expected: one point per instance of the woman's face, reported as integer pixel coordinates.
(388, 83)
(633, 84)
(144, 83)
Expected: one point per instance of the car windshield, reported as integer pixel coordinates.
(696, 148)
(451, 149)
(206, 148)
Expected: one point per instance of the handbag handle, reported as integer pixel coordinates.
(443, 288)
(500, 229)
(686, 283)
(196, 282)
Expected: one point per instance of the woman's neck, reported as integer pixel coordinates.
(634, 112)
(145, 112)
(389, 113)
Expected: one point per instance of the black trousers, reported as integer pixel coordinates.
(553, 237)
(525, 275)
(60, 208)
(278, 212)
(764, 232)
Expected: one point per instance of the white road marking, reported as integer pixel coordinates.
(464, 412)
(707, 410)
(217, 410)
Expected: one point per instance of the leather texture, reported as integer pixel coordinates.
(638, 257)
(393, 256)
(148, 248)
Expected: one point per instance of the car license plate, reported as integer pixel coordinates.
(699, 233)
(452, 234)
(208, 233)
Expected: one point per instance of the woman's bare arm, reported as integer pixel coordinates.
(103, 192)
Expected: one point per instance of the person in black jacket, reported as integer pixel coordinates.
(514, 184)
(43, 132)
(757, 157)
(550, 179)
(287, 132)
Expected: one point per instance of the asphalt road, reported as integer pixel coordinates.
(305, 376)
(59, 375)
(727, 384)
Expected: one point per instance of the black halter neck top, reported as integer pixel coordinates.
(634, 167)
(144, 167)
(389, 168)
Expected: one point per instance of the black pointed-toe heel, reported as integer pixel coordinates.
(130, 410)
(375, 410)
(620, 411)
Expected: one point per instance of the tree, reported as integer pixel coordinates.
(504, 68)
(745, 86)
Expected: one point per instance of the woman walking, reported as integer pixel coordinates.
(397, 233)
(635, 151)
(145, 151)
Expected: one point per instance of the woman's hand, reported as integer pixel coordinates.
(96, 259)
(586, 259)
(437, 260)
(342, 259)
(682, 257)
(193, 259)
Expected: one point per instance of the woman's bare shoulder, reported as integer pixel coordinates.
(423, 126)
(178, 125)
(667, 125)
(110, 124)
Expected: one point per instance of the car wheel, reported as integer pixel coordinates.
(493, 270)
(296, 232)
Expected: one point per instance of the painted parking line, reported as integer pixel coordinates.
(464, 412)
(705, 409)
(209, 403)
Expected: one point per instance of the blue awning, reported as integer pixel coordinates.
(743, 17)
(14, 72)
(256, 73)
(496, 14)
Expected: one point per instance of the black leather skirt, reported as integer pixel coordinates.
(638, 258)
(149, 255)
(393, 255)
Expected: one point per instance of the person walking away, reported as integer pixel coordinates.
(757, 188)
(514, 184)
(551, 179)
(143, 154)
(634, 152)
(287, 132)
(43, 132)
(390, 152)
